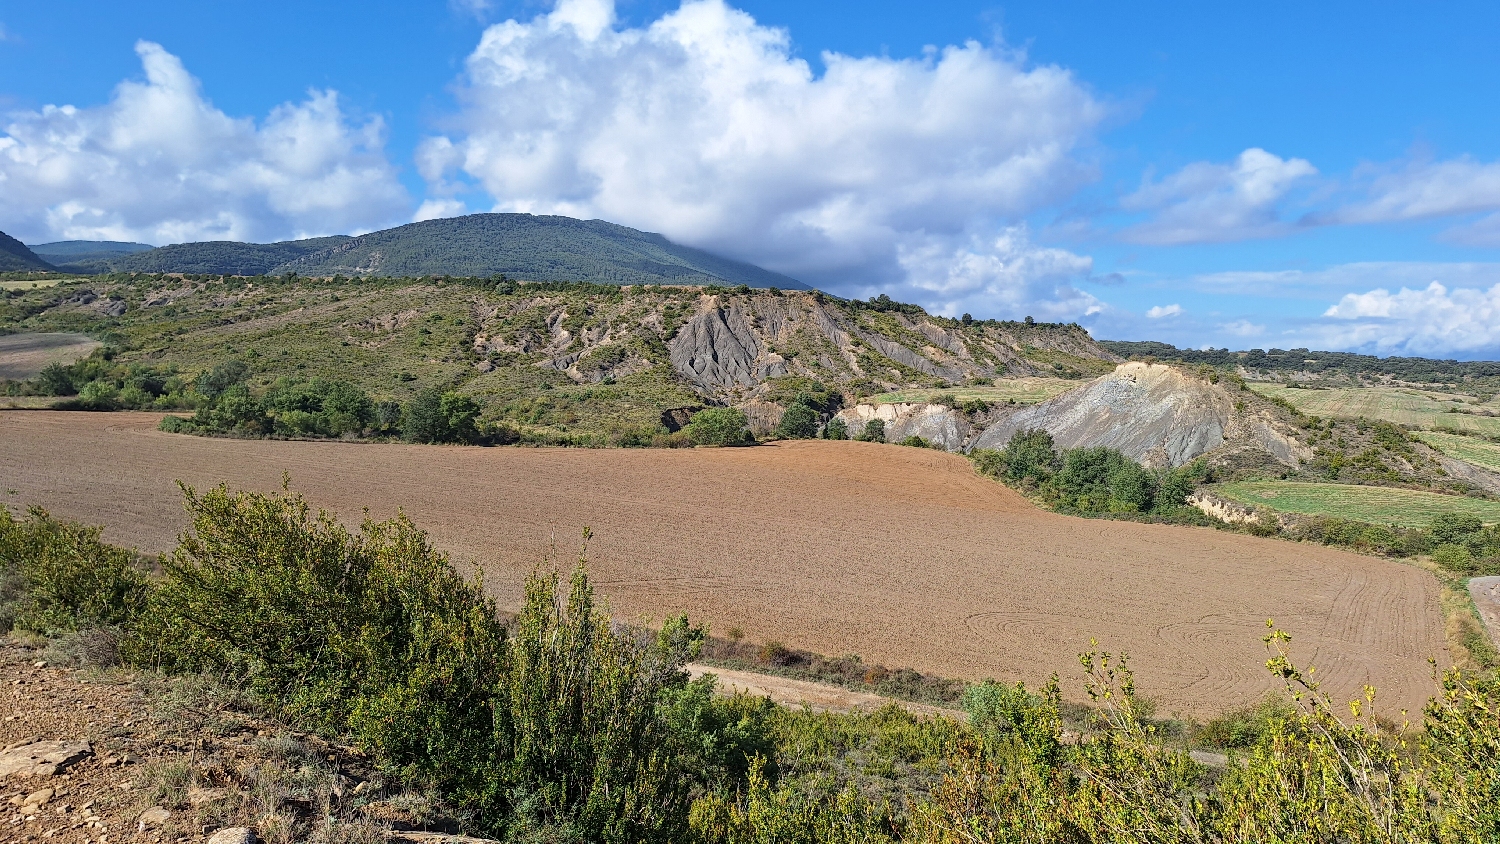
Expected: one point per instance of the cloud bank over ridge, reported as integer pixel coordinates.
(909, 176)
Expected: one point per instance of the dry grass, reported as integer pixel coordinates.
(1402, 405)
(903, 556)
(1377, 505)
(1018, 390)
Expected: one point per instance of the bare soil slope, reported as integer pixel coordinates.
(902, 555)
(22, 356)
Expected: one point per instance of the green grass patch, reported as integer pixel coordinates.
(31, 284)
(1468, 449)
(1402, 405)
(1376, 505)
(1018, 390)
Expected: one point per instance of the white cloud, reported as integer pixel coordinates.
(1433, 320)
(1482, 232)
(477, 9)
(702, 125)
(159, 163)
(1427, 189)
(1205, 202)
(433, 209)
(1163, 311)
(1242, 328)
(1001, 273)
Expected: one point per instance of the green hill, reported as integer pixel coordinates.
(215, 257)
(16, 257)
(560, 362)
(519, 246)
(85, 255)
(533, 248)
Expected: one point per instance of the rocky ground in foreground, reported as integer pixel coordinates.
(151, 759)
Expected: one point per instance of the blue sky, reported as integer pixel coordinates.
(1274, 175)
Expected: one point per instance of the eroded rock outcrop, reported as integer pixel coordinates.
(1157, 415)
(935, 423)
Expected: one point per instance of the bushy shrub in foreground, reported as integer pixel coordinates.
(562, 730)
(58, 577)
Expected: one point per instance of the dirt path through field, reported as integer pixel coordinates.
(901, 555)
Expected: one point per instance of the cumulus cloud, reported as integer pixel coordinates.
(1004, 271)
(702, 125)
(1205, 202)
(159, 163)
(1433, 320)
(1163, 311)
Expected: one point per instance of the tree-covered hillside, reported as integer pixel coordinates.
(533, 248)
(219, 257)
(519, 246)
(16, 257)
(79, 255)
(1325, 364)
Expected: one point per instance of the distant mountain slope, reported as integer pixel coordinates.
(83, 255)
(532, 248)
(14, 256)
(215, 257)
(73, 248)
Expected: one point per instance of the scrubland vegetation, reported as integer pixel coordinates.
(558, 725)
(1092, 481)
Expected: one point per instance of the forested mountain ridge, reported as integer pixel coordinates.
(531, 248)
(215, 257)
(519, 246)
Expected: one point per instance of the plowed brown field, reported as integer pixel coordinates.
(902, 555)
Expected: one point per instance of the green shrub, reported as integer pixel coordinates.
(799, 422)
(1454, 528)
(1453, 557)
(1029, 458)
(874, 431)
(56, 380)
(915, 441)
(57, 576)
(567, 729)
(1239, 729)
(719, 426)
(836, 430)
(434, 416)
(1008, 715)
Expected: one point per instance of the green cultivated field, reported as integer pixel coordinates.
(1468, 449)
(1378, 505)
(1018, 390)
(1404, 406)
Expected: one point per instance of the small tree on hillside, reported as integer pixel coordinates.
(874, 431)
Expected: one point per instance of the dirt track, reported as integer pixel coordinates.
(902, 555)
